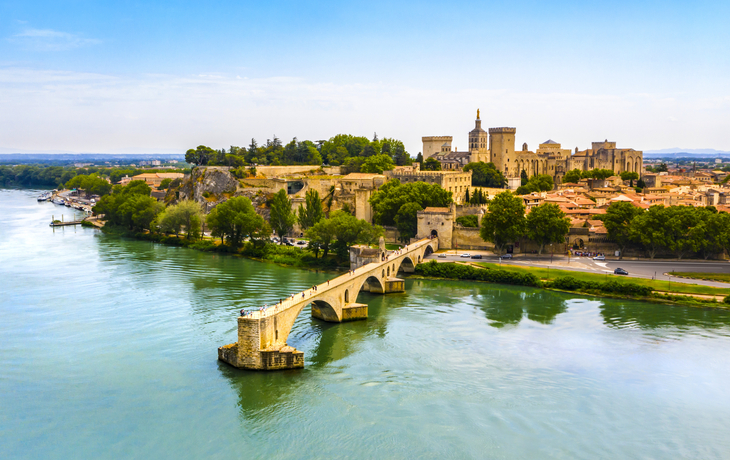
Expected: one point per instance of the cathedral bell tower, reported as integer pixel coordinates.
(478, 142)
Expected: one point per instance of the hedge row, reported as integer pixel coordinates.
(568, 283)
(467, 272)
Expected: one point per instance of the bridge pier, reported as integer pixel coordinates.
(262, 345)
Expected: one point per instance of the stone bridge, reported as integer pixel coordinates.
(262, 334)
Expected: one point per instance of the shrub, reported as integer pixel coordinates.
(568, 283)
(727, 299)
(466, 272)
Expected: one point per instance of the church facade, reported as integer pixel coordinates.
(497, 145)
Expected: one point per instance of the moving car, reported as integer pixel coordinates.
(441, 256)
(476, 256)
(620, 271)
(506, 256)
(466, 254)
(599, 258)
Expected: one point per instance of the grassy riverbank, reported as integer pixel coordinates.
(278, 254)
(563, 280)
(655, 285)
(721, 277)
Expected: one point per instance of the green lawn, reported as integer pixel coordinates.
(657, 285)
(722, 277)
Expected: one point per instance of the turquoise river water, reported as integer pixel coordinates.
(108, 349)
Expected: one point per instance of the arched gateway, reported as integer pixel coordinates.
(262, 335)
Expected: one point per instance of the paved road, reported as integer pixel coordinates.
(636, 268)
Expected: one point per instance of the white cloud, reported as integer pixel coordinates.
(50, 40)
(54, 110)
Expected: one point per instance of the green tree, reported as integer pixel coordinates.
(282, 217)
(138, 211)
(376, 164)
(478, 197)
(130, 206)
(680, 222)
(648, 229)
(599, 174)
(200, 155)
(350, 230)
(505, 222)
(235, 219)
(387, 201)
(419, 159)
(705, 234)
(471, 220)
(312, 213)
(353, 164)
(618, 221)
(630, 176)
(187, 214)
(538, 183)
(165, 184)
(573, 176)
(321, 235)
(406, 221)
(547, 224)
(399, 154)
(91, 184)
(431, 164)
(523, 178)
(719, 232)
(485, 175)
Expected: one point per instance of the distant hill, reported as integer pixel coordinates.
(86, 157)
(677, 153)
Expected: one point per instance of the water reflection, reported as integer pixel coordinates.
(507, 306)
(627, 314)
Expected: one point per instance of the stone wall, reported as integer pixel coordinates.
(391, 234)
(468, 238)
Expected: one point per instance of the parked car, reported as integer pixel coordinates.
(476, 256)
(301, 243)
(505, 256)
(620, 271)
(466, 255)
(441, 256)
(599, 258)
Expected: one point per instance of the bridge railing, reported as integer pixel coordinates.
(297, 298)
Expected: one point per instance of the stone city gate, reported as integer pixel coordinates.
(262, 335)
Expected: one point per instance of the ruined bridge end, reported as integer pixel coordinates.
(262, 337)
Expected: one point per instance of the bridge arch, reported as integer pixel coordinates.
(322, 309)
(371, 284)
(406, 265)
(428, 251)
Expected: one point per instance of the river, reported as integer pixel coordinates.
(108, 349)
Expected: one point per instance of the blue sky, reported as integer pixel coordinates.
(164, 76)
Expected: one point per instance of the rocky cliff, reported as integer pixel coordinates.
(212, 185)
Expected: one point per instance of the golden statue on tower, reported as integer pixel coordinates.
(477, 114)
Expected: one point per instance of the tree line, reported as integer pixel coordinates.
(236, 222)
(58, 176)
(352, 152)
(681, 230)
